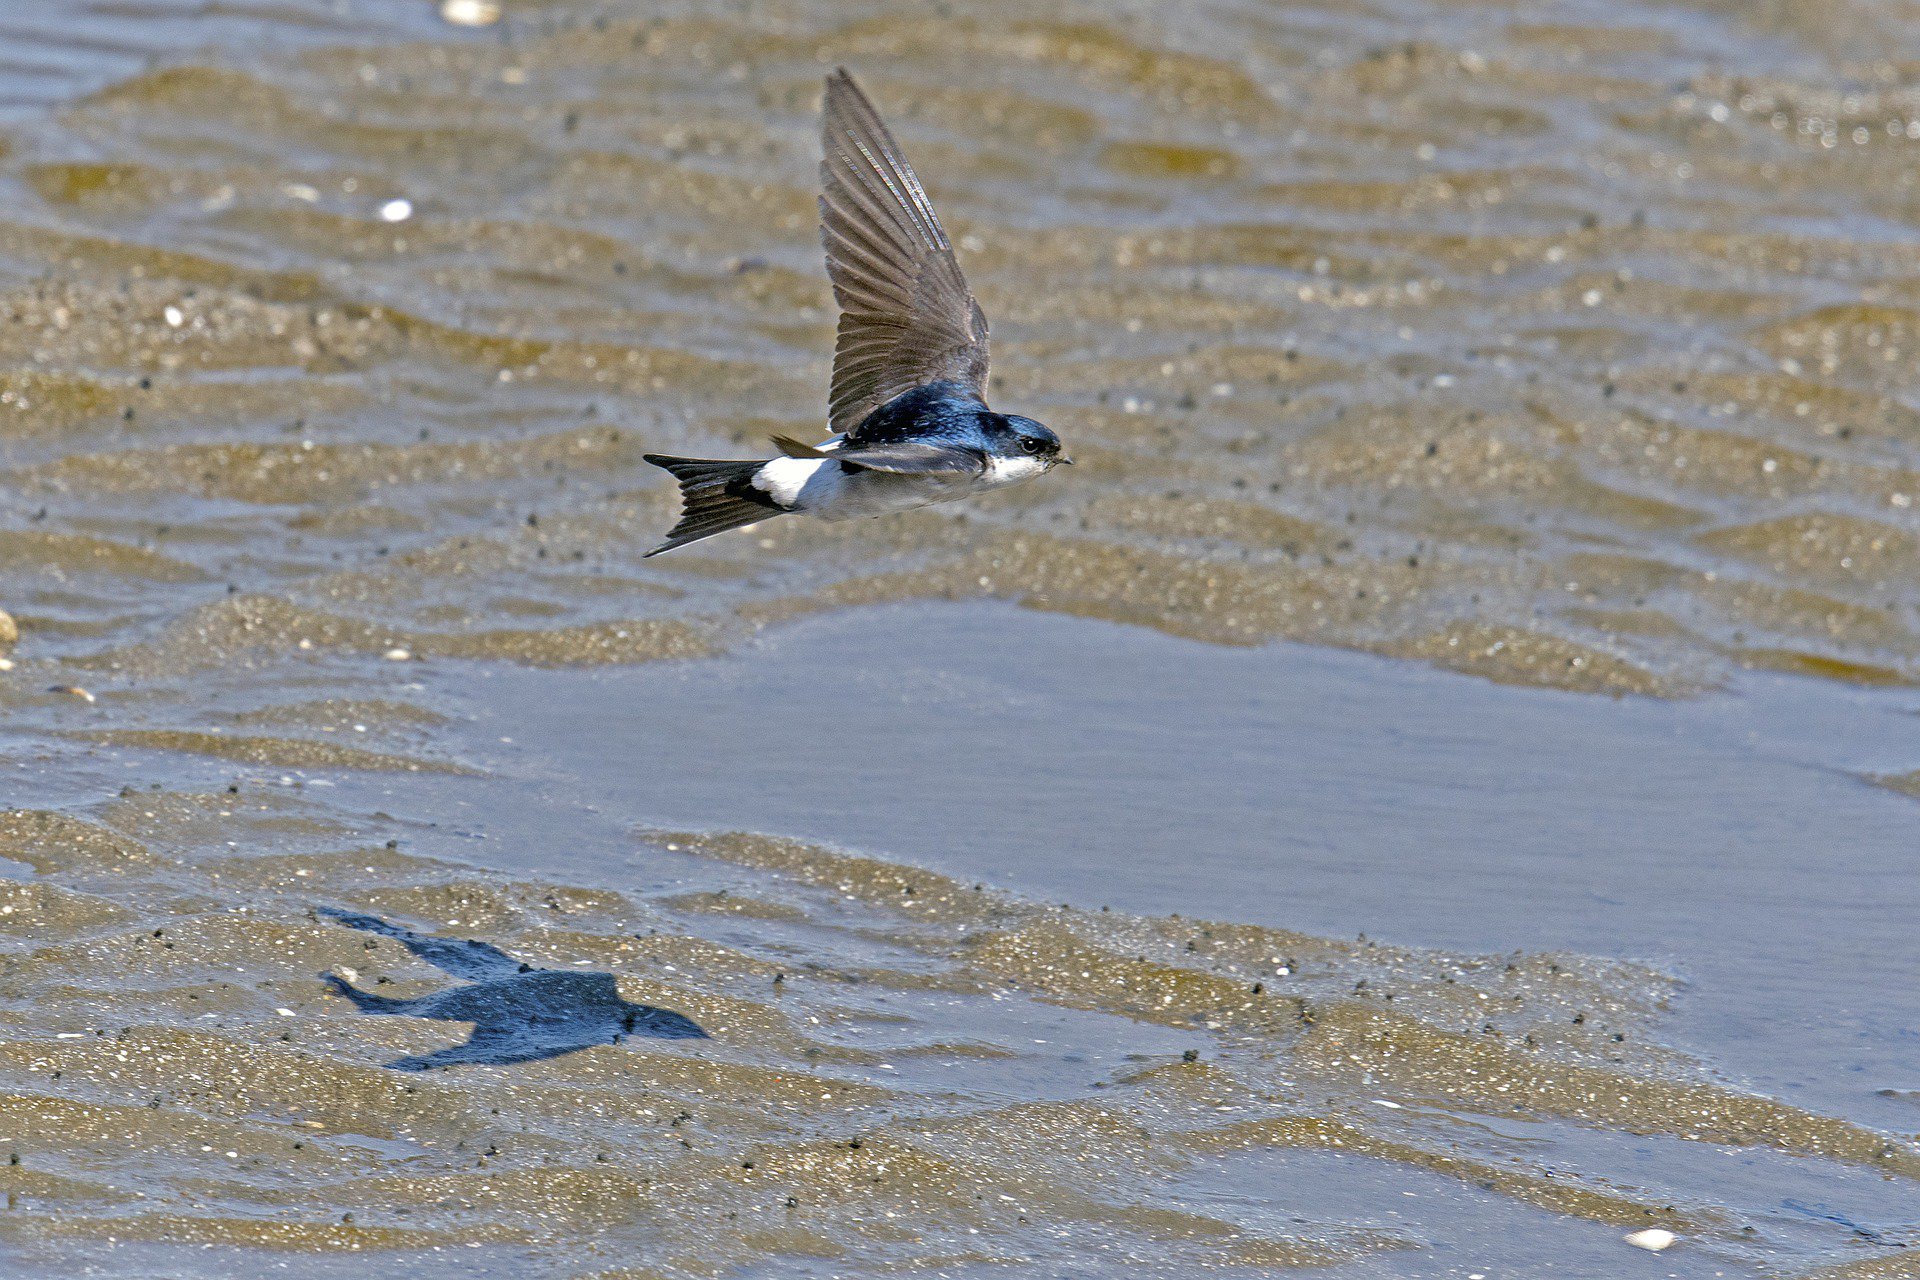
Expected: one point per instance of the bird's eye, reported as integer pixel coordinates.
(1032, 444)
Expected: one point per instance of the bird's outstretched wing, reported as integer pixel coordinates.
(906, 315)
(901, 457)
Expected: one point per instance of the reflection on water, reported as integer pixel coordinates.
(519, 1013)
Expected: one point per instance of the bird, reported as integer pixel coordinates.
(907, 404)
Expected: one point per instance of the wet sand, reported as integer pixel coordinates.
(1436, 371)
(1141, 965)
(1731, 840)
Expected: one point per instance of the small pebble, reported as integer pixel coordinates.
(396, 211)
(9, 632)
(470, 13)
(72, 691)
(397, 655)
(1653, 1239)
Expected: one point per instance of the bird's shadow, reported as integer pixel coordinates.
(519, 1013)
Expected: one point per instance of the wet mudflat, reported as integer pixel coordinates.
(1108, 993)
(1733, 840)
(1541, 354)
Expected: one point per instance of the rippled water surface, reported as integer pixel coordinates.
(1566, 346)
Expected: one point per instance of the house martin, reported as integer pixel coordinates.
(907, 405)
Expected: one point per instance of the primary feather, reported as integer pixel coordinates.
(906, 315)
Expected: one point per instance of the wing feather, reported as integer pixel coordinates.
(898, 457)
(907, 317)
(913, 458)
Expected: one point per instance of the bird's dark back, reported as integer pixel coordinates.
(939, 410)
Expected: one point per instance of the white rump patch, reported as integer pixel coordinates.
(785, 479)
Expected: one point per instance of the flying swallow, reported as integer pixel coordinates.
(907, 405)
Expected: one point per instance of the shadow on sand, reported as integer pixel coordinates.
(519, 1013)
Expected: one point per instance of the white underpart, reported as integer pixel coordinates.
(1010, 471)
(819, 486)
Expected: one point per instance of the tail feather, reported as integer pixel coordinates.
(715, 497)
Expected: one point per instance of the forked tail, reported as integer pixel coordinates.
(715, 497)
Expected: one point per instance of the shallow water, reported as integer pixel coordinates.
(1731, 840)
(1155, 1034)
(1561, 349)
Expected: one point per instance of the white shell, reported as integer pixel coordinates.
(1653, 1239)
(470, 13)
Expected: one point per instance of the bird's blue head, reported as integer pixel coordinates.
(1013, 436)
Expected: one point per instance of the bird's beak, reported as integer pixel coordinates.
(1064, 460)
